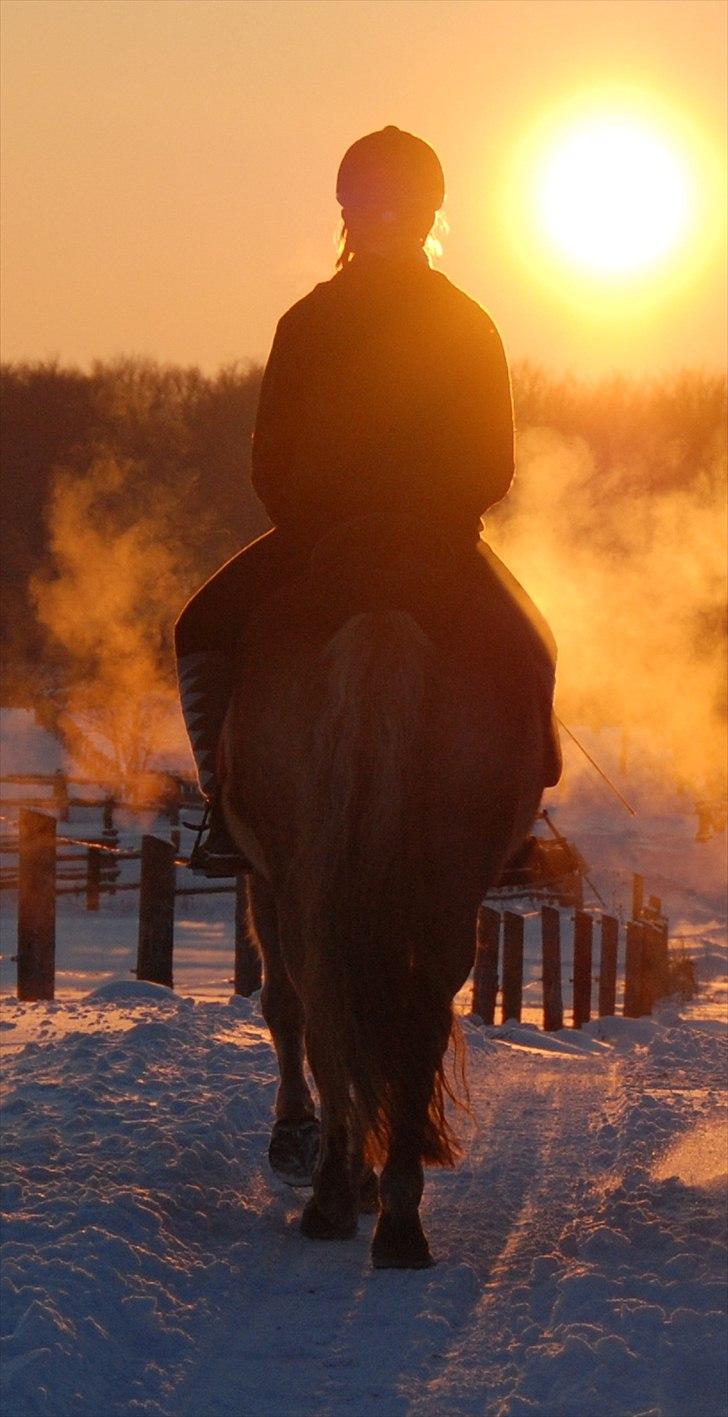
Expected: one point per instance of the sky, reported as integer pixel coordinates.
(169, 167)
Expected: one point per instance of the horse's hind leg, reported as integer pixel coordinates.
(332, 1212)
(399, 1241)
(365, 1176)
(294, 1142)
(419, 1129)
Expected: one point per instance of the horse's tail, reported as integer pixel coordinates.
(378, 1019)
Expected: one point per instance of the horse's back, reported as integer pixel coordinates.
(483, 730)
(464, 600)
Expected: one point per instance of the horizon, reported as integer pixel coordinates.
(244, 366)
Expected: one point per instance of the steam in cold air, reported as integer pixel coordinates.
(629, 574)
(633, 588)
(118, 583)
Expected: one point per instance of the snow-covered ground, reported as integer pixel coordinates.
(153, 1265)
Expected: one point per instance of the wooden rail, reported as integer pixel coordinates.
(174, 794)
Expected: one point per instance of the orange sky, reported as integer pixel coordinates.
(169, 165)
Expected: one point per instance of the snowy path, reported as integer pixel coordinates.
(374, 1341)
(152, 1265)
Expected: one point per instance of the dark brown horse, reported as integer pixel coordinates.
(385, 755)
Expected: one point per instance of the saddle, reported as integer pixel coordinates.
(463, 598)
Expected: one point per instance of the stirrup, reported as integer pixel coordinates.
(212, 862)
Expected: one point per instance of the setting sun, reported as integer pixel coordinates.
(613, 195)
(611, 201)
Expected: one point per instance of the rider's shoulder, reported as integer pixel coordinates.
(310, 304)
(470, 311)
(332, 298)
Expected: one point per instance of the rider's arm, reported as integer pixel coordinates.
(498, 436)
(481, 456)
(279, 413)
(466, 420)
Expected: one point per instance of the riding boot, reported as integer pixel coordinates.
(205, 687)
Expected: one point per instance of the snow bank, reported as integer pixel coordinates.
(131, 991)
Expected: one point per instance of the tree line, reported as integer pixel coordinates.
(172, 446)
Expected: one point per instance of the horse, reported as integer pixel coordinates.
(382, 761)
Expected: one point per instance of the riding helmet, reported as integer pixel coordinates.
(390, 170)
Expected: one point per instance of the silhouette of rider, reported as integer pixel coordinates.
(386, 396)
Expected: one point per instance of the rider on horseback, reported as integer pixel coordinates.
(386, 397)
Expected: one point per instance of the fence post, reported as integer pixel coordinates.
(553, 1008)
(512, 965)
(654, 970)
(608, 967)
(93, 878)
(582, 968)
(110, 835)
(156, 911)
(633, 1005)
(36, 905)
(248, 972)
(485, 972)
(662, 953)
(60, 794)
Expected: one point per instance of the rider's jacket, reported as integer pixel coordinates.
(387, 393)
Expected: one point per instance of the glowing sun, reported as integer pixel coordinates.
(612, 195)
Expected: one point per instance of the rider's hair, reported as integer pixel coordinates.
(431, 241)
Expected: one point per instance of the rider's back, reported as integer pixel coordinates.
(386, 393)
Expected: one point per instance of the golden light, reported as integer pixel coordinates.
(613, 195)
(611, 200)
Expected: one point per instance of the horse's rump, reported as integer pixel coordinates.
(491, 646)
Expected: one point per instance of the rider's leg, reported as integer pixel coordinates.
(206, 636)
(530, 631)
(205, 686)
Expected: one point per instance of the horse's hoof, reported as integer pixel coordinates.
(369, 1193)
(319, 1227)
(293, 1150)
(400, 1245)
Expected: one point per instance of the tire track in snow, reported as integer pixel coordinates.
(532, 1159)
(608, 1294)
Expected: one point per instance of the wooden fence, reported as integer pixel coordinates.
(499, 964)
(37, 884)
(499, 954)
(168, 793)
